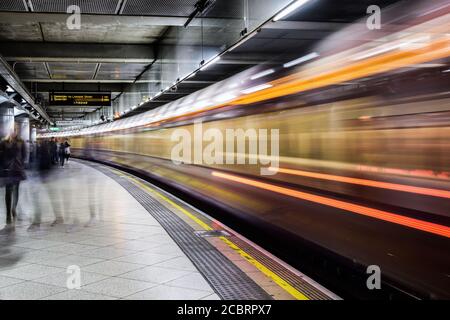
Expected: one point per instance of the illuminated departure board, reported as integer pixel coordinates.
(80, 99)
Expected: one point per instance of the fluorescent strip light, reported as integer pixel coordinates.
(257, 88)
(191, 75)
(262, 74)
(9, 89)
(210, 63)
(294, 6)
(295, 62)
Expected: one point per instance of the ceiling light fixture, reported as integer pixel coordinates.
(210, 63)
(191, 75)
(289, 9)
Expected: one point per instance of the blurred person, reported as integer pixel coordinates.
(43, 177)
(94, 191)
(54, 150)
(62, 153)
(67, 150)
(12, 159)
(32, 152)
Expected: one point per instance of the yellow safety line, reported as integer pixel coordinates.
(266, 271)
(269, 273)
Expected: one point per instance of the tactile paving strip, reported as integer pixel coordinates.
(290, 277)
(227, 280)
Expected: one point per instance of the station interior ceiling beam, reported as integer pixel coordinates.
(77, 52)
(105, 19)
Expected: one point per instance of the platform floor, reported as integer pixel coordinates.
(120, 249)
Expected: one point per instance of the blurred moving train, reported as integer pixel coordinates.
(364, 150)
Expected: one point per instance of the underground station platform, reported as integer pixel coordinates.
(224, 158)
(132, 240)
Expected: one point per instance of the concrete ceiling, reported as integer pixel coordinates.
(120, 42)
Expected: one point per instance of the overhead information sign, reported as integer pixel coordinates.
(80, 99)
(65, 123)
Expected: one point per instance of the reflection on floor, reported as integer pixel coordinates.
(122, 251)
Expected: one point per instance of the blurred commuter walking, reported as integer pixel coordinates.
(54, 150)
(12, 159)
(96, 195)
(62, 153)
(42, 176)
(67, 150)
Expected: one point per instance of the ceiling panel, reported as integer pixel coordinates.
(123, 71)
(86, 6)
(20, 32)
(335, 11)
(193, 36)
(31, 70)
(12, 5)
(77, 71)
(104, 33)
(174, 8)
(123, 67)
(232, 9)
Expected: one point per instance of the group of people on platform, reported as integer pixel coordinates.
(17, 157)
(60, 151)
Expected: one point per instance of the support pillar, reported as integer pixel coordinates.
(23, 132)
(6, 120)
(23, 128)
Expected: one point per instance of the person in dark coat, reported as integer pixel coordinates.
(54, 150)
(43, 175)
(12, 160)
(62, 154)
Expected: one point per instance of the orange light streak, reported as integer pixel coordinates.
(369, 183)
(421, 225)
